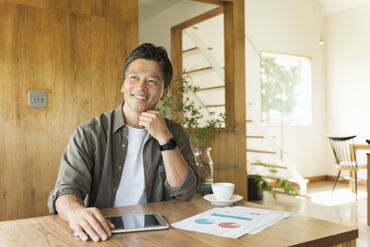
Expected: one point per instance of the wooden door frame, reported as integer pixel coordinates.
(235, 85)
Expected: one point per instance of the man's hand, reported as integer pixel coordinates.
(175, 166)
(90, 222)
(85, 222)
(154, 122)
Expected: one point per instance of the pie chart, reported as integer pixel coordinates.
(229, 225)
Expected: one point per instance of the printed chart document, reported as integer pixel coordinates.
(231, 222)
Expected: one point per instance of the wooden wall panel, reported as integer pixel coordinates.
(55, 51)
(115, 9)
(33, 3)
(107, 74)
(76, 6)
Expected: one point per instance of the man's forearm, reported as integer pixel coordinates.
(176, 167)
(66, 203)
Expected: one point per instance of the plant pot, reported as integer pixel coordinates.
(255, 192)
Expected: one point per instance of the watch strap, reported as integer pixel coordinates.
(171, 144)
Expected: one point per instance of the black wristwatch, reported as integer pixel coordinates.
(171, 144)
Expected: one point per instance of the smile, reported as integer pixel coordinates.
(141, 97)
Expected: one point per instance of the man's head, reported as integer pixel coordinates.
(154, 53)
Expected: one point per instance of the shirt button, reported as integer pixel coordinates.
(119, 167)
(114, 189)
(123, 145)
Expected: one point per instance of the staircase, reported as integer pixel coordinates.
(265, 153)
(263, 149)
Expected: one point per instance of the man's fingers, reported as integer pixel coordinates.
(90, 231)
(111, 224)
(97, 228)
(104, 223)
(150, 113)
(146, 118)
(81, 234)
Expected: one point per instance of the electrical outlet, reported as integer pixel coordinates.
(37, 99)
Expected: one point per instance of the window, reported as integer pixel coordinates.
(286, 89)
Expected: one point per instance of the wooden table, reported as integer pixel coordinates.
(294, 231)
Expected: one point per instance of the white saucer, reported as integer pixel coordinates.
(212, 199)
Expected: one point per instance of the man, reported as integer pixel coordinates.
(127, 157)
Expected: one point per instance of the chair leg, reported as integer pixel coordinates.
(356, 184)
(336, 180)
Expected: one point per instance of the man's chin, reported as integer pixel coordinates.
(141, 107)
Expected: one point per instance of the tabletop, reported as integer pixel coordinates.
(296, 230)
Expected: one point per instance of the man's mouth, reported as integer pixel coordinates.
(141, 97)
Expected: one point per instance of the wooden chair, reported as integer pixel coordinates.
(345, 155)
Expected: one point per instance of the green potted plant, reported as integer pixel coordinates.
(257, 184)
(179, 105)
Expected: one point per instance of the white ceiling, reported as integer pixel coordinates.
(332, 6)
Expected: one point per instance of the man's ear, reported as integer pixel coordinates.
(164, 93)
(122, 89)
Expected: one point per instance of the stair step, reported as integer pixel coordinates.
(260, 151)
(194, 49)
(292, 180)
(257, 136)
(269, 165)
(254, 136)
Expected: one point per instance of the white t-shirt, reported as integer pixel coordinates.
(131, 189)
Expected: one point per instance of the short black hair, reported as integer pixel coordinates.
(151, 52)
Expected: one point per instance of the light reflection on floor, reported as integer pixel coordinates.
(338, 197)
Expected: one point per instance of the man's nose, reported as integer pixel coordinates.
(141, 83)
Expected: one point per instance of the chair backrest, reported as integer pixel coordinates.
(344, 150)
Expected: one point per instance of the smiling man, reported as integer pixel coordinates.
(130, 156)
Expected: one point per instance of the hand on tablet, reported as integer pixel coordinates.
(90, 222)
(85, 222)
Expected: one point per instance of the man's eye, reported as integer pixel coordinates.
(133, 77)
(152, 82)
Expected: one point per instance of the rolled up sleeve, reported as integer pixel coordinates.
(74, 176)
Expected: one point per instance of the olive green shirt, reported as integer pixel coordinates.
(92, 163)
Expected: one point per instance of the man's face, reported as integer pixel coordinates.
(143, 85)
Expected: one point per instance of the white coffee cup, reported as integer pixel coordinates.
(223, 191)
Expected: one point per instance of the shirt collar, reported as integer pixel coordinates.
(118, 118)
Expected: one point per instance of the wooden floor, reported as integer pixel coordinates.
(338, 207)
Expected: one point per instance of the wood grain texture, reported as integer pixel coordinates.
(75, 6)
(230, 146)
(33, 3)
(54, 51)
(53, 231)
(115, 9)
(109, 48)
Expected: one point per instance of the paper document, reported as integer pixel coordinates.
(231, 222)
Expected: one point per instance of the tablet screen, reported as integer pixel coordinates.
(137, 222)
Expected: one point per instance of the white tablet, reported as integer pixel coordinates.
(138, 222)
